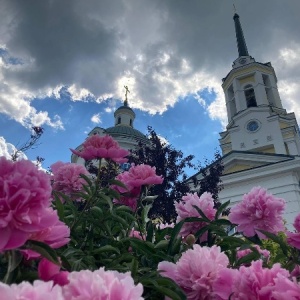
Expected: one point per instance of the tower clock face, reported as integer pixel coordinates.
(252, 126)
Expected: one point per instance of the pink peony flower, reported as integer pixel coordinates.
(55, 236)
(196, 271)
(96, 147)
(263, 252)
(129, 195)
(294, 238)
(143, 175)
(136, 234)
(24, 200)
(100, 284)
(134, 179)
(297, 223)
(185, 209)
(286, 289)
(49, 271)
(39, 290)
(126, 179)
(162, 226)
(66, 177)
(258, 210)
(253, 282)
(296, 271)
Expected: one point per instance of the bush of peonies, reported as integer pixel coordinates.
(65, 237)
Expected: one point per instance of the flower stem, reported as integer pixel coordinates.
(14, 259)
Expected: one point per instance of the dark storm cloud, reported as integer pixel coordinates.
(65, 45)
(170, 48)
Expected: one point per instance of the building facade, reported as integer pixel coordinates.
(122, 131)
(261, 143)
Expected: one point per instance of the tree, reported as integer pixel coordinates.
(171, 164)
(210, 180)
(31, 143)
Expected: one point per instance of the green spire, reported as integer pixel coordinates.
(240, 40)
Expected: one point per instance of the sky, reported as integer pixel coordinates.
(64, 64)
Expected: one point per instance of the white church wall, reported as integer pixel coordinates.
(283, 185)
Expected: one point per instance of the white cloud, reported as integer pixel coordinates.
(79, 94)
(7, 149)
(96, 119)
(163, 51)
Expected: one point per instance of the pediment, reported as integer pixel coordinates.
(237, 161)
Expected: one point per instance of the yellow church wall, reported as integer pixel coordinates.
(270, 150)
(251, 69)
(247, 79)
(288, 135)
(283, 125)
(238, 167)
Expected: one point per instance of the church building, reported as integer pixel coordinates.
(261, 143)
(122, 131)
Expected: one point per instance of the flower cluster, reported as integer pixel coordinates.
(134, 179)
(254, 282)
(39, 290)
(258, 211)
(293, 238)
(264, 253)
(96, 147)
(66, 177)
(87, 285)
(186, 209)
(196, 271)
(25, 194)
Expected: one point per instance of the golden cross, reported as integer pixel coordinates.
(127, 91)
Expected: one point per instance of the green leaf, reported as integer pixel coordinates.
(232, 242)
(87, 179)
(145, 212)
(107, 248)
(276, 239)
(164, 286)
(107, 200)
(221, 209)
(126, 215)
(177, 229)
(16, 258)
(114, 194)
(43, 249)
(119, 219)
(202, 214)
(118, 183)
(163, 244)
(221, 222)
(149, 199)
(59, 207)
(254, 255)
(174, 235)
(97, 212)
(150, 231)
(254, 239)
(124, 208)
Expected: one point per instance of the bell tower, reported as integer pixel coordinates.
(257, 121)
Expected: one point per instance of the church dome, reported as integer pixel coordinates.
(126, 108)
(125, 131)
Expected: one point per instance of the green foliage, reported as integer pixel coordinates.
(101, 236)
(169, 163)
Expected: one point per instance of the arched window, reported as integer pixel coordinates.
(250, 96)
(130, 122)
(119, 120)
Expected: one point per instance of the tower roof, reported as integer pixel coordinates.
(240, 39)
